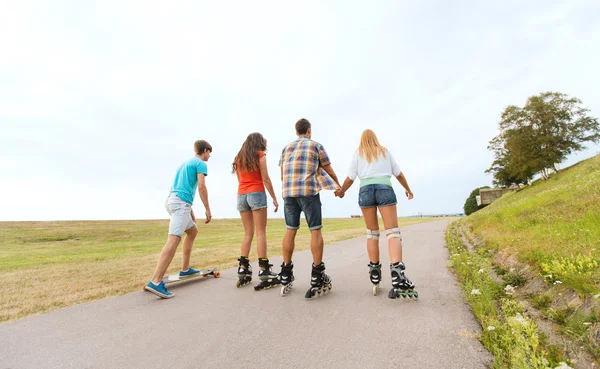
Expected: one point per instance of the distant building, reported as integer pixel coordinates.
(489, 195)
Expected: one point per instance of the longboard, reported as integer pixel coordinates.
(203, 273)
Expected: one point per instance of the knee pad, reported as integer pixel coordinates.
(372, 235)
(393, 233)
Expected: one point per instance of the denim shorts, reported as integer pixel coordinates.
(311, 206)
(252, 201)
(376, 195)
(181, 215)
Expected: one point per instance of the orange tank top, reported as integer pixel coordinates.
(251, 181)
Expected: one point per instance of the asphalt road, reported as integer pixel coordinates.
(211, 323)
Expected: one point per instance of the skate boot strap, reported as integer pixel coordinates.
(320, 267)
(398, 266)
(374, 266)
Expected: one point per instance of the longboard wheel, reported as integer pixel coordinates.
(217, 274)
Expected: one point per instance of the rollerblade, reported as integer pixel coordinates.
(244, 272)
(320, 283)
(402, 287)
(286, 278)
(375, 275)
(267, 277)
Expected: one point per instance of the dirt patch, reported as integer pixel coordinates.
(465, 241)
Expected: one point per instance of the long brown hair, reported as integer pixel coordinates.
(247, 158)
(369, 148)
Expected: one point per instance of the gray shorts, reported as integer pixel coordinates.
(252, 201)
(181, 215)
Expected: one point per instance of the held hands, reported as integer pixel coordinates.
(339, 193)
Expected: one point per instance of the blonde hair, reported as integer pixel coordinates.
(369, 148)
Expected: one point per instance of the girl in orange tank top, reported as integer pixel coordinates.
(250, 166)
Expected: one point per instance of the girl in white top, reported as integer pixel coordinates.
(374, 165)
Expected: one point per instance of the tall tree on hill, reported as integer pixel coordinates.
(512, 164)
(534, 138)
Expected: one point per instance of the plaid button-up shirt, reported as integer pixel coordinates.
(302, 163)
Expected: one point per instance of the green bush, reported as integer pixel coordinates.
(471, 203)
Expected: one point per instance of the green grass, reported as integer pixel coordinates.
(48, 265)
(553, 229)
(553, 225)
(507, 332)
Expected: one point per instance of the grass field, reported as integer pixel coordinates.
(45, 266)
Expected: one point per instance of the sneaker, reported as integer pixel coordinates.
(160, 290)
(189, 272)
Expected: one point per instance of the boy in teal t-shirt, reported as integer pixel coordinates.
(189, 177)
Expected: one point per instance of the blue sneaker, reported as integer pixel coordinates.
(160, 290)
(190, 272)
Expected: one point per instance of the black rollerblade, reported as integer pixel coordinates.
(244, 272)
(402, 287)
(375, 275)
(320, 283)
(286, 278)
(267, 277)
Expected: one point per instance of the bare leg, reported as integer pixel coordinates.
(260, 222)
(316, 246)
(390, 220)
(188, 243)
(248, 223)
(287, 245)
(372, 223)
(165, 257)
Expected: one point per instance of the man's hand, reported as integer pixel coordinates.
(193, 216)
(208, 217)
(409, 194)
(276, 205)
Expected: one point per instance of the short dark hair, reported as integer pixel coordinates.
(302, 126)
(201, 146)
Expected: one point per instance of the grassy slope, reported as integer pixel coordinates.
(553, 224)
(48, 265)
(553, 229)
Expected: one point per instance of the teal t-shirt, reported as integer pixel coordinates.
(186, 179)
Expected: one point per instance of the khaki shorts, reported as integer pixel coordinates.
(181, 215)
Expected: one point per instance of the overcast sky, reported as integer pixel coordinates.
(100, 102)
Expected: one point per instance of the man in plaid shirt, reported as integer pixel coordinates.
(305, 171)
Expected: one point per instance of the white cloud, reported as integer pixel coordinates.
(101, 102)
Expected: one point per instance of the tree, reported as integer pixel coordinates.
(536, 137)
(471, 203)
(512, 163)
